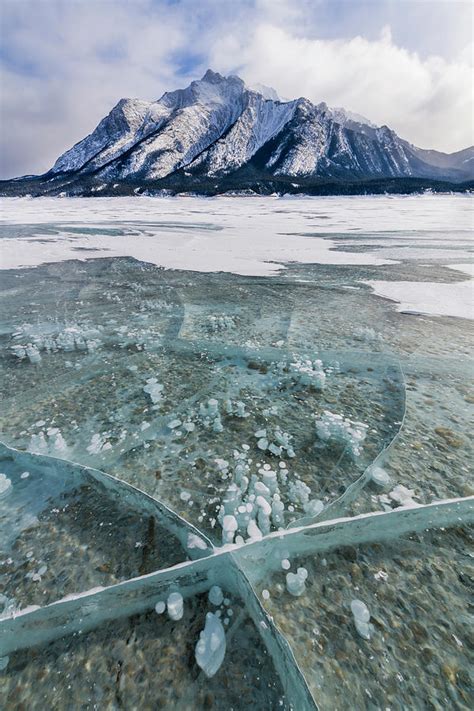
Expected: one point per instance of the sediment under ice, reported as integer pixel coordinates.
(261, 499)
(222, 573)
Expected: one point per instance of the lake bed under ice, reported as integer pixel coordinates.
(193, 390)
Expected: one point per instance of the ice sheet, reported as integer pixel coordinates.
(252, 236)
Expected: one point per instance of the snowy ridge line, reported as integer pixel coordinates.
(85, 611)
(218, 125)
(169, 519)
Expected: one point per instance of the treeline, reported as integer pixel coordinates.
(259, 184)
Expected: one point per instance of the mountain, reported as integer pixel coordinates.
(218, 134)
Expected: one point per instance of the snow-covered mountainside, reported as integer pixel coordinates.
(219, 129)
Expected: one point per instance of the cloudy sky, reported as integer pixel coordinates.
(65, 63)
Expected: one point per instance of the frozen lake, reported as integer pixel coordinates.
(251, 236)
(241, 393)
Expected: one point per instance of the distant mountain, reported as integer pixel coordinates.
(218, 134)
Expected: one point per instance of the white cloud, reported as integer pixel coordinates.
(70, 63)
(427, 101)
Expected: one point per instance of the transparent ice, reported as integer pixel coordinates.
(238, 492)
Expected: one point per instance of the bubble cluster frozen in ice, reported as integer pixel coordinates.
(71, 338)
(211, 647)
(50, 442)
(308, 372)
(154, 389)
(295, 582)
(175, 606)
(5, 484)
(209, 416)
(380, 477)
(195, 542)
(361, 615)
(341, 430)
(216, 596)
(220, 322)
(99, 443)
(276, 442)
(260, 497)
(403, 496)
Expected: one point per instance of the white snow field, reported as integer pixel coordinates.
(254, 236)
(429, 297)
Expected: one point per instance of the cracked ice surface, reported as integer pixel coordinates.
(242, 417)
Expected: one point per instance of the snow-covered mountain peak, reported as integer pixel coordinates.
(268, 92)
(132, 111)
(212, 88)
(212, 77)
(345, 117)
(217, 126)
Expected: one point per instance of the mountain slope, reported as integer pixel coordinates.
(217, 129)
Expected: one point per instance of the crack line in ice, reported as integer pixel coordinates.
(243, 560)
(233, 568)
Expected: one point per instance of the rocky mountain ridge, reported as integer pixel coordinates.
(219, 133)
